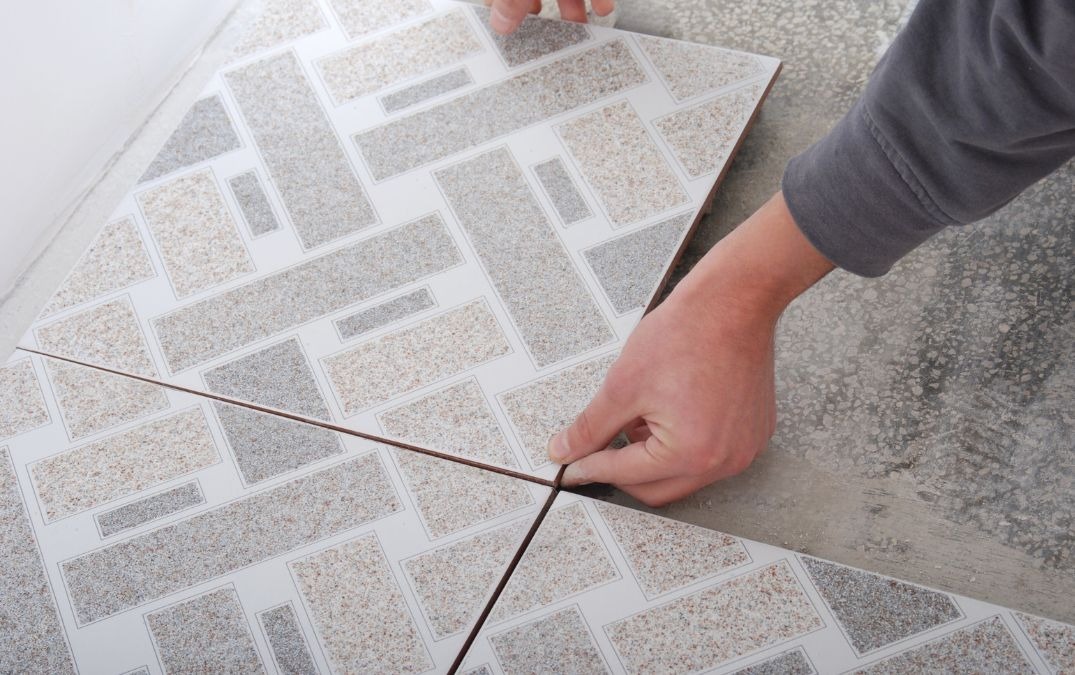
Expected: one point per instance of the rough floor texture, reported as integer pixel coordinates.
(927, 419)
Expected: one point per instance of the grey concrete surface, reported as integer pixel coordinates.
(927, 419)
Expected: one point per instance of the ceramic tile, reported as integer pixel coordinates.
(534, 38)
(793, 662)
(122, 464)
(507, 106)
(1054, 641)
(34, 639)
(876, 611)
(541, 408)
(280, 22)
(205, 132)
(116, 260)
(208, 633)
(702, 138)
(426, 90)
(559, 642)
(630, 268)
(322, 210)
(360, 17)
(399, 362)
(290, 651)
(311, 289)
(91, 401)
(690, 70)
(528, 265)
(414, 51)
(253, 204)
(244, 532)
(107, 334)
(388, 312)
(561, 190)
(194, 233)
(454, 419)
(22, 407)
(623, 164)
(148, 509)
(986, 647)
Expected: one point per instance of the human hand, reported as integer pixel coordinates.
(506, 15)
(693, 387)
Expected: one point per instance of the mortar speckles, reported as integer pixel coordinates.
(546, 406)
(148, 509)
(391, 311)
(205, 132)
(561, 190)
(359, 17)
(279, 21)
(509, 105)
(22, 407)
(297, 141)
(986, 647)
(705, 629)
(690, 70)
(122, 464)
(206, 634)
(399, 362)
(703, 137)
(665, 554)
(358, 609)
(788, 663)
(253, 203)
(426, 90)
(288, 644)
(622, 164)
(1054, 641)
(116, 259)
(534, 38)
(400, 55)
(559, 642)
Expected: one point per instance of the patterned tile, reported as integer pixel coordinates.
(253, 204)
(426, 90)
(205, 132)
(148, 509)
(289, 648)
(1055, 641)
(388, 312)
(534, 38)
(560, 642)
(280, 22)
(22, 408)
(91, 400)
(690, 70)
(561, 190)
(986, 647)
(789, 663)
(106, 335)
(208, 633)
(360, 17)
(703, 137)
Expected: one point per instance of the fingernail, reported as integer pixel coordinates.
(499, 21)
(574, 476)
(558, 450)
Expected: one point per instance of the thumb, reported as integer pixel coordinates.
(506, 15)
(594, 429)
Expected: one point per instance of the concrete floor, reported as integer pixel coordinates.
(927, 419)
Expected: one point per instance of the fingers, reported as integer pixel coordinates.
(635, 464)
(593, 430)
(573, 10)
(506, 15)
(603, 7)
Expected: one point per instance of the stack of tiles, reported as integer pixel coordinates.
(383, 222)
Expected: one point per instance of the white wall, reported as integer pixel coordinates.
(76, 79)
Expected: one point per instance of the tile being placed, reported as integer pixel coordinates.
(388, 312)
(690, 70)
(149, 509)
(208, 633)
(279, 22)
(561, 190)
(426, 90)
(360, 17)
(22, 407)
(1054, 641)
(290, 650)
(205, 132)
(414, 51)
(254, 205)
(534, 38)
(985, 647)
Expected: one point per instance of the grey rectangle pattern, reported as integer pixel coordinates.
(217, 325)
(561, 190)
(307, 163)
(426, 90)
(288, 644)
(385, 313)
(148, 509)
(254, 205)
(531, 270)
(509, 105)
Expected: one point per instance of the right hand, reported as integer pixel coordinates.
(506, 15)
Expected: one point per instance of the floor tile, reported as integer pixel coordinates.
(690, 70)
(1054, 641)
(360, 17)
(426, 90)
(703, 137)
(561, 190)
(22, 407)
(534, 38)
(253, 204)
(148, 509)
(290, 650)
(986, 647)
(793, 662)
(205, 132)
(280, 22)
(208, 633)
(388, 312)
(552, 643)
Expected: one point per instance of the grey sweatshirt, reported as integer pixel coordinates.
(973, 102)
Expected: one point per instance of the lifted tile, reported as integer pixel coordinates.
(148, 509)
(208, 633)
(985, 647)
(287, 641)
(426, 90)
(205, 132)
(559, 642)
(255, 207)
(22, 407)
(561, 190)
(690, 70)
(390, 311)
(359, 17)
(703, 137)
(534, 38)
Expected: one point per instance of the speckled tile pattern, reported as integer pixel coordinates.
(22, 407)
(253, 204)
(539, 409)
(452, 582)
(454, 419)
(690, 70)
(123, 464)
(274, 94)
(359, 17)
(789, 663)
(358, 610)
(278, 302)
(205, 132)
(388, 312)
(534, 38)
(451, 497)
(1054, 641)
(240, 533)
(91, 400)
(399, 362)
(278, 376)
(622, 163)
(527, 263)
(876, 611)
(986, 647)
(290, 651)
(630, 268)
(381, 62)
(148, 509)
(561, 190)
(508, 105)
(559, 642)
(208, 633)
(664, 554)
(194, 232)
(280, 22)
(116, 259)
(744, 614)
(703, 137)
(107, 334)
(565, 557)
(34, 639)
(426, 90)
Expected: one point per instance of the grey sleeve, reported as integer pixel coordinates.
(973, 102)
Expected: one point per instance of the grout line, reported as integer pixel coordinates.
(508, 573)
(313, 422)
